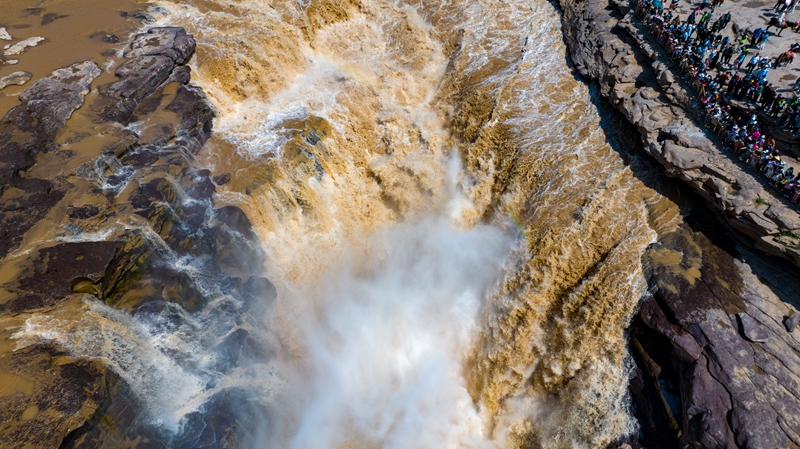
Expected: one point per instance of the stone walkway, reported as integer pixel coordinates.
(756, 14)
(748, 16)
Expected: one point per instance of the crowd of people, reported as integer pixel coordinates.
(703, 54)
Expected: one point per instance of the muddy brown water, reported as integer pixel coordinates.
(73, 30)
(454, 227)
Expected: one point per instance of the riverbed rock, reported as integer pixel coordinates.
(16, 78)
(61, 270)
(222, 179)
(49, 102)
(57, 394)
(152, 58)
(120, 229)
(172, 42)
(21, 46)
(28, 130)
(195, 115)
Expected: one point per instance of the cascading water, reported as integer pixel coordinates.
(455, 244)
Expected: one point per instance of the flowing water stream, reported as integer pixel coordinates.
(455, 241)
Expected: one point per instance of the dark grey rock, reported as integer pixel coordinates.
(49, 102)
(181, 74)
(172, 42)
(751, 329)
(60, 270)
(195, 115)
(138, 78)
(154, 59)
(46, 106)
(222, 179)
(791, 321)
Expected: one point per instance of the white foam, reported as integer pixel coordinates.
(383, 340)
(130, 349)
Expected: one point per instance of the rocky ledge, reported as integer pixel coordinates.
(608, 44)
(716, 351)
(102, 205)
(716, 358)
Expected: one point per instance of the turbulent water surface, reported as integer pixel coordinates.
(455, 242)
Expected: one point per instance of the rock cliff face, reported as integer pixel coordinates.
(102, 216)
(713, 352)
(608, 44)
(716, 358)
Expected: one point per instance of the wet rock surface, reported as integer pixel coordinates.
(608, 44)
(172, 42)
(114, 230)
(60, 270)
(57, 395)
(152, 58)
(27, 131)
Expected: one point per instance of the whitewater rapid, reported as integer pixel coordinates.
(455, 243)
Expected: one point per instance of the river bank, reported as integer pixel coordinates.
(105, 223)
(716, 359)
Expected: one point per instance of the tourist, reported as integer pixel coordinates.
(702, 55)
(739, 61)
(752, 63)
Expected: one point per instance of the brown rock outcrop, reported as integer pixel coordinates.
(728, 362)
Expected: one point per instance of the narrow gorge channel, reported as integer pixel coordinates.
(414, 225)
